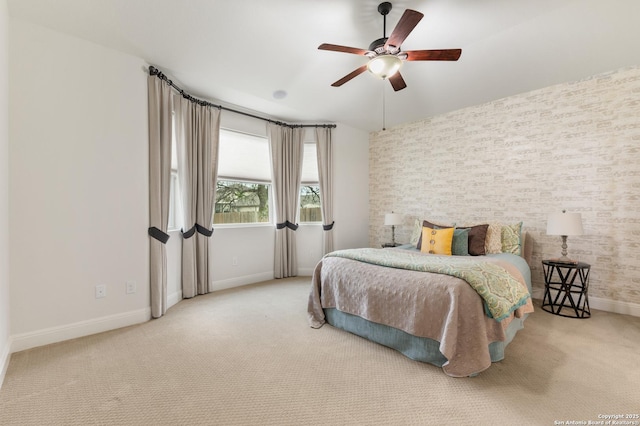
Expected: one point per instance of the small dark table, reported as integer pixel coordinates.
(387, 245)
(570, 294)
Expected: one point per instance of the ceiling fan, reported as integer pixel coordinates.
(385, 54)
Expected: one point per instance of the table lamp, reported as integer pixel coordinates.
(392, 219)
(564, 224)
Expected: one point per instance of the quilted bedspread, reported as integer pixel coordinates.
(438, 306)
(501, 292)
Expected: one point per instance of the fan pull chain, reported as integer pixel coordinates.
(384, 109)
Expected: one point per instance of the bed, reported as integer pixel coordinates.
(398, 298)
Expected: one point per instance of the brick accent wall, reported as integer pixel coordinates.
(573, 146)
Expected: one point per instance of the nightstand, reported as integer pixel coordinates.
(387, 245)
(570, 284)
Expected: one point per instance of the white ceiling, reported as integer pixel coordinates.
(238, 53)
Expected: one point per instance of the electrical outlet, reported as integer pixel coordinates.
(101, 291)
(234, 261)
(131, 287)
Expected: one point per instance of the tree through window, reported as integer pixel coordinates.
(310, 203)
(241, 202)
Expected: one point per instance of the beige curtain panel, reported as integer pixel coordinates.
(197, 140)
(325, 176)
(160, 128)
(286, 147)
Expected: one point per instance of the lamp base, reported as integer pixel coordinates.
(563, 258)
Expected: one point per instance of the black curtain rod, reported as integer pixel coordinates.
(154, 71)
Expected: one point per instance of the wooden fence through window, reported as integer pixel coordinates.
(311, 214)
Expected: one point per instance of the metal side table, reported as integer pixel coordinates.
(569, 283)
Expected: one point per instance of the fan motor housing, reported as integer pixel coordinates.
(378, 45)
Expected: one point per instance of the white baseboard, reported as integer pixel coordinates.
(240, 281)
(305, 272)
(607, 305)
(252, 279)
(614, 306)
(537, 293)
(5, 357)
(47, 336)
(174, 298)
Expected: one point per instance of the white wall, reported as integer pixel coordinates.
(78, 186)
(351, 187)
(4, 190)
(78, 195)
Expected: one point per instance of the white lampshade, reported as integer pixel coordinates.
(384, 66)
(564, 223)
(393, 219)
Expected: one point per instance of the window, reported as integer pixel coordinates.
(175, 209)
(309, 187)
(310, 203)
(175, 212)
(241, 202)
(243, 190)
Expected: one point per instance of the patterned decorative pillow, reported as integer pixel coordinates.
(433, 226)
(477, 235)
(493, 241)
(437, 241)
(416, 233)
(512, 239)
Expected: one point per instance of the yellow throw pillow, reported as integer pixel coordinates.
(437, 241)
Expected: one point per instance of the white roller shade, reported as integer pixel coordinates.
(310, 164)
(243, 157)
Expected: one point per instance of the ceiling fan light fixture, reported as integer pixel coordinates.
(384, 66)
(385, 54)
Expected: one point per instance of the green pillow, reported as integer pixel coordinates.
(460, 244)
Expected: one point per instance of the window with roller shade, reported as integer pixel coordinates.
(309, 187)
(243, 189)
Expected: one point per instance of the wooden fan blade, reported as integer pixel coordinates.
(345, 49)
(434, 55)
(407, 23)
(397, 82)
(349, 76)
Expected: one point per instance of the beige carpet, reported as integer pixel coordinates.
(246, 356)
